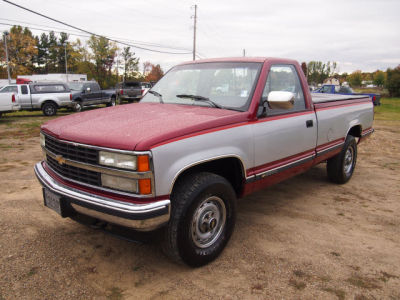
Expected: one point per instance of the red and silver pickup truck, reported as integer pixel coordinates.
(207, 133)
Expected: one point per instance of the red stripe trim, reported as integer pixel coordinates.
(267, 119)
(330, 144)
(279, 163)
(103, 193)
(367, 130)
(338, 104)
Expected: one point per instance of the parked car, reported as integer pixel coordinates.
(181, 157)
(346, 90)
(146, 86)
(8, 102)
(9, 89)
(45, 96)
(88, 93)
(129, 91)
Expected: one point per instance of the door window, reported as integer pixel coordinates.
(283, 78)
(24, 90)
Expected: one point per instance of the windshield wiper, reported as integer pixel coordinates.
(200, 98)
(158, 95)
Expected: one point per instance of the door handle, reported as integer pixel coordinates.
(309, 123)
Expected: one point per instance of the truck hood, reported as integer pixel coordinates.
(139, 126)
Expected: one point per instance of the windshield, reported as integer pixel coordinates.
(75, 86)
(228, 84)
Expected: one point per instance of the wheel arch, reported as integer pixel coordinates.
(231, 167)
(355, 130)
(49, 101)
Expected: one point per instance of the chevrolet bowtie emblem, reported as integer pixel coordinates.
(60, 159)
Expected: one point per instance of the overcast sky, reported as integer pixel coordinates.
(358, 34)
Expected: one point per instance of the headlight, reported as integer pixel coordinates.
(119, 183)
(42, 140)
(123, 161)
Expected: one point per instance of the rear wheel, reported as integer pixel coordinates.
(202, 219)
(49, 109)
(340, 168)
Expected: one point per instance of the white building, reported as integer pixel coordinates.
(55, 77)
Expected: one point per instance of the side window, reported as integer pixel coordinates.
(24, 90)
(326, 89)
(284, 78)
(94, 87)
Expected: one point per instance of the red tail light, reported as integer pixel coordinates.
(70, 96)
(142, 92)
(121, 91)
(13, 98)
(373, 98)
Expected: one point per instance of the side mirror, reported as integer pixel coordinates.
(280, 100)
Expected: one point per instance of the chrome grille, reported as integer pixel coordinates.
(76, 174)
(70, 151)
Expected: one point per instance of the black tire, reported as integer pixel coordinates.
(113, 102)
(340, 168)
(78, 106)
(49, 109)
(210, 200)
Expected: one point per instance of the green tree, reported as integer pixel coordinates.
(102, 56)
(130, 63)
(318, 71)
(379, 78)
(393, 81)
(22, 51)
(355, 78)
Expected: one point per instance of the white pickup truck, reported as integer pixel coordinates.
(8, 103)
(207, 133)
(45, 96)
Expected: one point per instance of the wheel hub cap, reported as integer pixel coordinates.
(348, 160)
(208, 222)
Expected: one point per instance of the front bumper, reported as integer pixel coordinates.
(143, 217)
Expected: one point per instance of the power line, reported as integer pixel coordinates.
(72, 32)
(91, 33)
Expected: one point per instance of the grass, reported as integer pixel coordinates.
(363, 282)
(389, 110)
(299, 285)
(339, 293)
(115, 293)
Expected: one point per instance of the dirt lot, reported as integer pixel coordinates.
(304, 238)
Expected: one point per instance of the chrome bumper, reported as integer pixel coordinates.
(144, 217)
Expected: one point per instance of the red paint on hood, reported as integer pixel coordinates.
(139, 126)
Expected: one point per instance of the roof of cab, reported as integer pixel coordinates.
(240, 59)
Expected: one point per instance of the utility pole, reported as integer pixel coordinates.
(66, 66)
(194, 32)
(8, 64)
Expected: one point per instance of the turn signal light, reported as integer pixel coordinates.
(145, 186)
(143, 164)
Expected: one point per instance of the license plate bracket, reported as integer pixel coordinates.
(53, 201)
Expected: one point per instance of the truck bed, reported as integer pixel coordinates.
(324, 98)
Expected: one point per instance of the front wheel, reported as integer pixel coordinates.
(340, 168)
(202, 219)
(49, 109)
(78, 106)
(113, 102)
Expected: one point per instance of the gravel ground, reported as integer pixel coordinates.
(301, 239)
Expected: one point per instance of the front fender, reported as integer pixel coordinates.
(173, 158)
